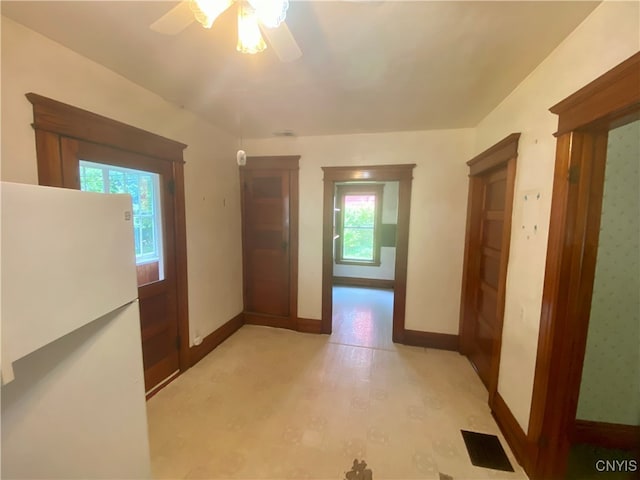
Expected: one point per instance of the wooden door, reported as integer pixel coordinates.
(269, 225)
(486, 327)
(150, 181)
(486, 255)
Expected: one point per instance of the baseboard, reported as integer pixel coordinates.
(513, 433)
(265, 320)
(441, 341)
(364, 282)
(211, 341)
(161, 385)
(305, 325)
(608, 435)
(309, 325)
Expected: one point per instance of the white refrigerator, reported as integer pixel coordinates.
(73, 400)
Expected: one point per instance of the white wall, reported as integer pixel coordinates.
(32, 63)
(438, 213)
(608, 36)
(386, 269)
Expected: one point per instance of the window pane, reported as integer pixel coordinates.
(91, 179)
(148, 237)
(357, 244)
(133, 190)
(136, 238)
(117, 182)
(144, 188)
(358, 227)
(146, 194)
(359, 210)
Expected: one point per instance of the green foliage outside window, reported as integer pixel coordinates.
(358, 227)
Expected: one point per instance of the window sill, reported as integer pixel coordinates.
(357, 263)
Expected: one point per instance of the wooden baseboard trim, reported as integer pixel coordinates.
(364, 282)
(608, 435)
(252, 318)
(299, 324)
(309, 325)
(441, 341)
(513, 433)
(211, 341)
(161, 385)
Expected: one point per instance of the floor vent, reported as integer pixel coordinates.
(486, 451)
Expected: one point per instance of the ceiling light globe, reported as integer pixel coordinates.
(271, 13)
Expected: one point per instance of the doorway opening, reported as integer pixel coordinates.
(365, 250)
(364, 254)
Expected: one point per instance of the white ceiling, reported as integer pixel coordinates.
(366, 66)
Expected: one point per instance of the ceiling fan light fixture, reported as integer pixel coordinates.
(249, 37)
(271, 13)
(206, 11)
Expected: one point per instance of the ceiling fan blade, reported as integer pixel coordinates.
(175, 20)
(282, 42)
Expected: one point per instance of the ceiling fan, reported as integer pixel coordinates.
(255, 18)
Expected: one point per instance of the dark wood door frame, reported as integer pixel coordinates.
(290, 163)
(54, 121)
(403, 174)
(583, 124)
(503, 153)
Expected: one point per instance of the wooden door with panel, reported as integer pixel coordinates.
(269, 223)
(491, 185)
(92, 167)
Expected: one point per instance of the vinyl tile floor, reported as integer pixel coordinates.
(277, 404)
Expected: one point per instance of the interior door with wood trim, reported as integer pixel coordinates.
(149, 181)
(491, 186)
(486, 327)
(269, 216)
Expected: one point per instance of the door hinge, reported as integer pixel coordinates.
(574, 174)
(178, 342)
(171, 186)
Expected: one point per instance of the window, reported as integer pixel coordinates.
(144, 188)
(358, 217)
